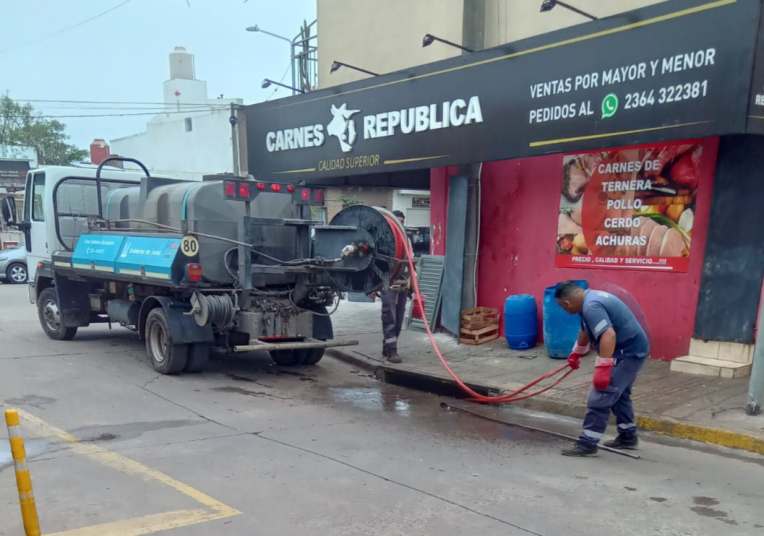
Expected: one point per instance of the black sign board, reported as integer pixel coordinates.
(13, 173)
(678, 69)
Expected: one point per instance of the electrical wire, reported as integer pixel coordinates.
(131, 114)
(280, 80)
(66, 28)
(75, 101)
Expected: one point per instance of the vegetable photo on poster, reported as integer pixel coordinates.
(629, 208)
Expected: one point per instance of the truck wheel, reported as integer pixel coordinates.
(311, 356)
(50, 316)
(322, 330)
(16, 273)
(198, 357)
(166, 357)
(286, 358)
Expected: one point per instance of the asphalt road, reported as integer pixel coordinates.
(248, 448)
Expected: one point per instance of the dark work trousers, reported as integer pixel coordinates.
(616, 398)
(393, 311)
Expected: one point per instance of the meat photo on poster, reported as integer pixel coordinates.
(632, 207)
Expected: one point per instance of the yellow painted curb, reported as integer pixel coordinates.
(713, 436)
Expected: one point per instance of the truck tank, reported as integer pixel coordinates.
(201, 207)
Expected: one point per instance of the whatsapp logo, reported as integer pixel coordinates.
(609, 105)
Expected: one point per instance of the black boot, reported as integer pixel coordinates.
(393, 357)
(623, 442)
(580, 450)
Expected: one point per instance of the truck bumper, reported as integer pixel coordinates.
(312, 343)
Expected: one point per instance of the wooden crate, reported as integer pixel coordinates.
(479, 336)
(479, 325)
(476, 318)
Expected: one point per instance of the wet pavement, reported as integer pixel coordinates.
(250, 448)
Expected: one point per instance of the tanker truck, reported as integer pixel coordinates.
(228, 264)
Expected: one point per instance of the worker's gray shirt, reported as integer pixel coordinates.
(603, 310)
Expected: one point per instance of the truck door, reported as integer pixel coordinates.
(35, 206)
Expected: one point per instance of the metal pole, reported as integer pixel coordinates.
(23, 477)
(234, 120)
(756, 383)
(291, 60)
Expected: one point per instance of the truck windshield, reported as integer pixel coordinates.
(75, 202)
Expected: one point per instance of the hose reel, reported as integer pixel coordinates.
(372, 243)
(217, 309)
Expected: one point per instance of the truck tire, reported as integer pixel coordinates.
(166, 357)
(50, 316)
(286, 358)
(322, 330)
(198, 357)
(311, 356)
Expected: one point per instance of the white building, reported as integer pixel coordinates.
(192, 137)
(415, 205)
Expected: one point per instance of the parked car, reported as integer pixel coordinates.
(13, 265)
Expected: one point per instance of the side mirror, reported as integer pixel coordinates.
(8, 210)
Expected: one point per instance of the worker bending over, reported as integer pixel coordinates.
(622, 346)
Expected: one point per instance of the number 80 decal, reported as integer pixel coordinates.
(189, 246)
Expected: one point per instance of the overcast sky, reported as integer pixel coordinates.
(49, 50)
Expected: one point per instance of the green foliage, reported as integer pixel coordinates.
(19, 125)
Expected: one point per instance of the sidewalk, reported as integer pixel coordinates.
(700, 408)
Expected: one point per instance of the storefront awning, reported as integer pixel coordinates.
(679, 69)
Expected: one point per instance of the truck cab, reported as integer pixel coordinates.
(68, 189)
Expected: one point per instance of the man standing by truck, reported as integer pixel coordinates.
(394, 309)
(613, 329)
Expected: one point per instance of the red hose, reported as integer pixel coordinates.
(506, 398)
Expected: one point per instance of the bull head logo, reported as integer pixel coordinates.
(342, 127)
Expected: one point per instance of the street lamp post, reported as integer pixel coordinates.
(428, 39)
(336, 65)
(267, 82)
(257, 28)
(549, 5)
(300, 42)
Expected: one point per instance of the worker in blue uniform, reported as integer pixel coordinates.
(613, 329)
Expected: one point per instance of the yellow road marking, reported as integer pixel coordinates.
(144, 525)
(148, 524)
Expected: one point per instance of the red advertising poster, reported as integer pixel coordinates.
(629, 208)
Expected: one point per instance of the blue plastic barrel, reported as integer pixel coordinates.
(520, 322)
(560, 327)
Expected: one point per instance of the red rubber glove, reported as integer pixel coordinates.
(574, 360)
(578, 351)
(603, 368)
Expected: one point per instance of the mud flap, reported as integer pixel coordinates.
(73, 302)
(183, 329)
